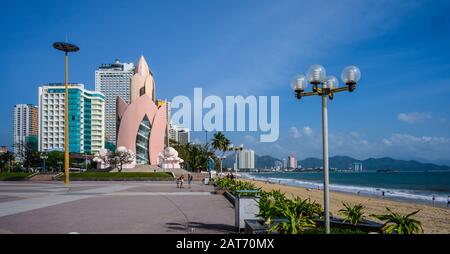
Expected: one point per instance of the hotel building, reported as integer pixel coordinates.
(25, 124)
(292, 162)
(113, 80)
(246, 159)
(86, 119)
(179, 134)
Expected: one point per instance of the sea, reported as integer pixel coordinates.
(417, 187)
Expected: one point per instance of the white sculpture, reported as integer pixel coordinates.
(168, 158)
(122, 158)
(102, 158)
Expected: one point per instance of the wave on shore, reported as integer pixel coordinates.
(412, 195)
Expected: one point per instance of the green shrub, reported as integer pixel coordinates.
(398, 223)
(353, 214)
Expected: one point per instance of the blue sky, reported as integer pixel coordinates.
(400, 109)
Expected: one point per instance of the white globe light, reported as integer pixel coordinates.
(351, 75)
(316, 74)
(299, 82)
(331, 82)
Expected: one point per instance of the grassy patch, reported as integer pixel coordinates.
(16, 176)
(122, 176)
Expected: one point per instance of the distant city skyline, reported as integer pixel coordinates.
(400, 108)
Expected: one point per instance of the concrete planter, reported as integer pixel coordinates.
(366, 226)
(258, 226)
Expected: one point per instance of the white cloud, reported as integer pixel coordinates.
(294, 132)
(408, 146)
(307, 130)
(414, 117)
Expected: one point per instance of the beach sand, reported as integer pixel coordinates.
(435, 220)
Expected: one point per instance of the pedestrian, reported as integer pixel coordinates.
(189, 180)
(181, 181)
(178, 182)
(448, 201)
(434, 199)
(382, 193)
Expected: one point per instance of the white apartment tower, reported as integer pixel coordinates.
(113, 80)
(179, 134)
(25, 124)
(246, 159)
(86, 119)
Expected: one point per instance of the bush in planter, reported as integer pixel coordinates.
(398, 223)
(224, 183)
(353, 214)
(307, 208)
(269, 203)
(299, 213)
(296, 223)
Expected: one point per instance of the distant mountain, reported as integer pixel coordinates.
(344, 162)
(265, 161)
(373, 164)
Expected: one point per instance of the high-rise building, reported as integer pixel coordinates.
(86, 118)
(25, 124)
(183, 136)
(292, 161)
(246, 159)
(357, 166)
(113, 80)
(179, 134)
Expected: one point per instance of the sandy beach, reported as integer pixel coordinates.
(435, 220)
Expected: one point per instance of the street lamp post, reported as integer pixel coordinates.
(66, 47)
(325, 87)
(235, 149)
(44, 157)
(221, 158)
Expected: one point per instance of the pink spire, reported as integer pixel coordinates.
(142, 67)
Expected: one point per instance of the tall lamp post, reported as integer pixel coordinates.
(66, 47)
(44, 157)
(221, 158)
(235, 149)
(325, 87)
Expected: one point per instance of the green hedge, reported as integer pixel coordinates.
(16, 176)
(122, 176)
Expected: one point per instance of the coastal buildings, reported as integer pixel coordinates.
(86, 118)
(246, 159)
(142, 123)
(113, 80)
(179, 134)
(25, 124)
(292, 162)
(356, 166)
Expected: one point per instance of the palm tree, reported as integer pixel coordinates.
(399, 223)
(221, 143)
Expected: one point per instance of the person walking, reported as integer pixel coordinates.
(181, 181)
(434, 199)
(189, 180)
(178, 182)
(448, 201)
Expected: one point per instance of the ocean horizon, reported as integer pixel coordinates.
(419, 187)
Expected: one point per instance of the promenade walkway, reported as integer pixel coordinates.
(112, 207)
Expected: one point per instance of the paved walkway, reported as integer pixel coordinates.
(112, 207)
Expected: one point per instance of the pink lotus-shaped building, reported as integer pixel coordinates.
(142, 123)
